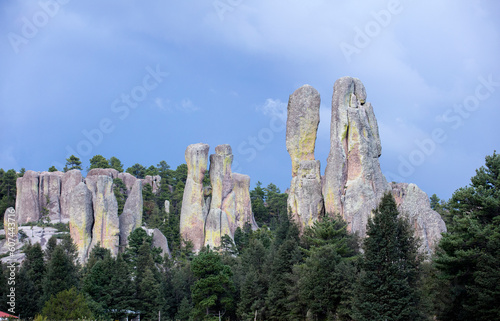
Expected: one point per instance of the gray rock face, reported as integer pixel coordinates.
(81, 219)
(192, 221)
(106, 229)
(414, 204)
(128, 179)
(10, 225)
(27, 203)
(154, 181)
(49, 192)
(70, 179)
(217, 223)
(305, 200)
(242, 204)
(159, 240)
(353, 183)
(111, 172)
(131, 218)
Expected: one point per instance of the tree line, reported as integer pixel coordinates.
(275, 273)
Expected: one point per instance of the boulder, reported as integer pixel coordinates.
(128, 179)
(192, 220)
(415, 206)
(49, 192)
(106, 229)
(69, 180)
(154, 181)
(159, 240)
(353, 183)
(131, 217)
(305, 200)
(81, 217)
(27, 202)
(111, 172)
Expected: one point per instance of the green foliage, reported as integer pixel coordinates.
(52, 169)
(137, 170)
(211, 292)
(115, 163)
(98, 161)
(268, 204)
(29, 285)
(67, 305)
(121, 193)
(387, 287)
(7, 190)
(469, 253)
(72, 162)
(62, 270)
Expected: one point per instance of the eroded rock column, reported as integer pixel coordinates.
(192, 219)
(27, 203)
(353, 183)
(81, 219)
(305, 200)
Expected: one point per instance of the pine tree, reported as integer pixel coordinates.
(115, 163)
(62, 273)
(98, 161)
(29, 287)
(72, 162)
(67, 305)
(469, 253)
(387, 287)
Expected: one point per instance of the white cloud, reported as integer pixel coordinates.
(274, 108)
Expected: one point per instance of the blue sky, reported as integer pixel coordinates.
(143, 80)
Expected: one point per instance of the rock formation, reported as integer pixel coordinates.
(414, 204)
(154, 181)
(69, 181)
(49, 192)
(10, 225)
(159, 240)
(106, 229)
(131, 217)
(353, 182)
(305, 200)
(192, 221)
(81, 219)
(218, 209)
(27, 204)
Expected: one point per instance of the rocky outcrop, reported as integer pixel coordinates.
(128, 179)
(217, 223)
(69, 181)
(131, 217)
(414, 204)
(81, 219)
(111, 172)
(192, 221)
(154, 181)
(353, 183)
(49, 192)
(242, 204)
(106, 229)
(159, 240)
(210, 212)
(27, 200)
(305, 200)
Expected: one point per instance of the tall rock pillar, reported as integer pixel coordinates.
(353, 183)
(305, 200)
(193, 204)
